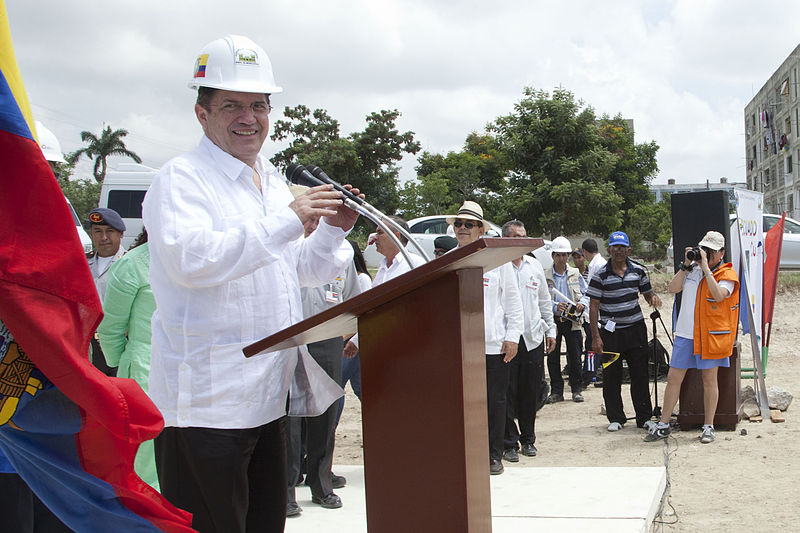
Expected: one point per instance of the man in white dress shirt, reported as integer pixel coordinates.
(392, 265)
(503, 323)
(228, 258)
(526, 371)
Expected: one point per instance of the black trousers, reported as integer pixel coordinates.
(497, 372)
(526, 371)
(320, 431)
(573, 341)
(588, 373)
(231, 480)
(631, 343)
(21, 511)
(99, 360)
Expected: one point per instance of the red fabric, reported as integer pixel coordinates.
(50, 304)
(773, 244)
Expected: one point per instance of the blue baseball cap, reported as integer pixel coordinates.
(619, 238)
(104, 216)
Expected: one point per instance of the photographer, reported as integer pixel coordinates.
(711, 299)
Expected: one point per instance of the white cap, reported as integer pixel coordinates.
(561, 244)
(49, 144)
(234, 63)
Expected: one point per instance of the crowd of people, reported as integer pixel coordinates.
(231, 254)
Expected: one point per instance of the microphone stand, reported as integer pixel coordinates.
(368, 208)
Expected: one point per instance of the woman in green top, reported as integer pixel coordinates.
(125, 331)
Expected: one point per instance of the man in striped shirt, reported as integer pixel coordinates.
(618, 330)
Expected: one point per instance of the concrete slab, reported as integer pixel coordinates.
(564, 499)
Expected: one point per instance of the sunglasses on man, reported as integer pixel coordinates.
(466, 223)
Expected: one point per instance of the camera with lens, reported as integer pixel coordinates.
(693, 254)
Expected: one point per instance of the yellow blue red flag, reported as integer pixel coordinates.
(68, 430)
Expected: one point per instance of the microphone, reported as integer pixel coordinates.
(312, 175)
(324, 178)
(298, 175)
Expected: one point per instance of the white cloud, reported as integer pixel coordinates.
(682, 70)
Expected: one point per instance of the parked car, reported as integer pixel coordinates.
(86, 242)
(426, 229)
(790, 252)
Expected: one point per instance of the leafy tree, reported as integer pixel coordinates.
(83, 194)
(652, 230)
(366, 159)
(445, 182)
(569, 172)
(109, 143)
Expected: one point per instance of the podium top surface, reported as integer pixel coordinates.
(342, 320)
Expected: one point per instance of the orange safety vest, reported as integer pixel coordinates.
(716, 323)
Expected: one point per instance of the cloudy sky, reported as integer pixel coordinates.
(682, 70)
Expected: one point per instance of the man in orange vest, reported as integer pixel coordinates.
(705, 329)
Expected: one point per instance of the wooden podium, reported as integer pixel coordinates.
(423, 385)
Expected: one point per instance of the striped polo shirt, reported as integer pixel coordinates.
(619, 297)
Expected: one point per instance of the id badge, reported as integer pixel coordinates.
(332, 296)
(610, 325)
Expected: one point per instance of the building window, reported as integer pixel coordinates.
(785, 87)
(787, 125)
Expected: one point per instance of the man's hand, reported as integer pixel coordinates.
(509, 351)
(653, 300)
(350, 350)
(579, 309)
(316, 202)
(550, 345)
(597, 344)
(345, 217)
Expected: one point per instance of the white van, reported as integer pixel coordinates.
(123, 191)
(86, 242)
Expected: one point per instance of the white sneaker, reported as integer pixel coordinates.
(649, 425)
(708, 435)
(614, 426)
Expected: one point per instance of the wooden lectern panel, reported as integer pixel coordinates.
(423, 386)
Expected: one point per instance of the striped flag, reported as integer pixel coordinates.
(68, 430)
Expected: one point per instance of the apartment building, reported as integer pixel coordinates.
(772, 139)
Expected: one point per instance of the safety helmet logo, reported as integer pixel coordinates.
(200, 66)
(246, 57)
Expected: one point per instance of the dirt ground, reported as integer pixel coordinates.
(737, 483)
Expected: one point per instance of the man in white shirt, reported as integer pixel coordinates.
(392, 265)
(228, 258)
(503, 324)
(526, 371)
(595, 263)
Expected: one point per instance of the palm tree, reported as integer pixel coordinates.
(109, 143)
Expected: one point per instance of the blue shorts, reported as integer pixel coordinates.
(682, 356)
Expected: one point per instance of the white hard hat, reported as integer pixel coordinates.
(234, 63)
(49, 144)
(561, 244)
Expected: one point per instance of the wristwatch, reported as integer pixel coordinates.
(686, 268)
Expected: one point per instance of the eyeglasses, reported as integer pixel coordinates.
(467, 224)
(439, 252)
(234, 110)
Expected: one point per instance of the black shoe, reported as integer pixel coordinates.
(529, 450)
(511, 455)
(553, 398)
(292, 509)
(495, 467)
(331, 501)
(337, 482)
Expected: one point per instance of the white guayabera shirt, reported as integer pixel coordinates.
(227, 263)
